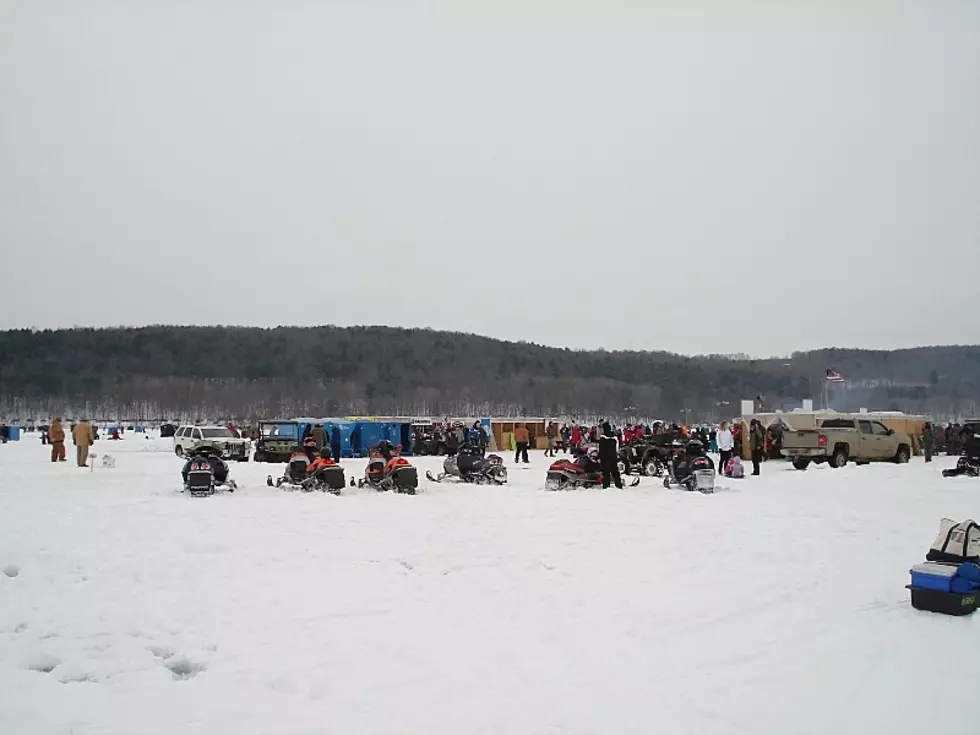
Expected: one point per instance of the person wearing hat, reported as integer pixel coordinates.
(84, 438)
(609, 457)
(56, 438)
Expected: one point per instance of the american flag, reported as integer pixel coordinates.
(834, 377)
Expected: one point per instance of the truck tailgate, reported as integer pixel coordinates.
(802, 439)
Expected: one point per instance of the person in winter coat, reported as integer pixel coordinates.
(576, 435)
(757, 443)
(550, 433)
(335, 442)
(928, 441)
(609, 457)
(56, 437)
(522, 439)
(83, 437)
(726, 442)
(319, 436)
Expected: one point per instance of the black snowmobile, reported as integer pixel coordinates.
(205, 473)
(302, 474)
(969, 464)
(470, 465)
(965, 466)
(691, 469)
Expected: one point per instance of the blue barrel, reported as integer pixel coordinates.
(14, 433)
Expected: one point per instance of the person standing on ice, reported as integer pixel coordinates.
(335, 442)
(319, 436)
(56, 437)
(928, 441)
(522, 439)
(576, 434)
(84, 438)
(726, 442)
(609, 457)
(757, 443)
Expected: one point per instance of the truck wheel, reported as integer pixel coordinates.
(902, 456)
(801, 464)
(839, 459)
(179, 450)
(259, 457)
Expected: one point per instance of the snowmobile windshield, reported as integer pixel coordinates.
(217, 434)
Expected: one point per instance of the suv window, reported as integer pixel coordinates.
(218, 433)
(181, 431)
(196, 434)
(865, 427)
(838, 424)
(880, 429)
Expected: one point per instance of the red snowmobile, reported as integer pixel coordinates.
(388, 470)
(583, 472)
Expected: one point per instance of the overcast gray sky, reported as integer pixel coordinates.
(757, 176)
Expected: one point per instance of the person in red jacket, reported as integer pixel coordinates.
(628, 435)
(576, 435)
(324, 460)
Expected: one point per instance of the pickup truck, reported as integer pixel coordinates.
(839, 440)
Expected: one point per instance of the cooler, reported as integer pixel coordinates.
(933, 576)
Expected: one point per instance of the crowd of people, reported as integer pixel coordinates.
(723, 439)
(950, 439)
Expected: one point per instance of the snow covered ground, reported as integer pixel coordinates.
(775, 607)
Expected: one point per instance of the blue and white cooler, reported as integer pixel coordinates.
(945, 588)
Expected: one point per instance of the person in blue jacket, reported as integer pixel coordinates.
(335, 443)
(477, 436)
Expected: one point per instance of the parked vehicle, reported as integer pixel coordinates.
(276, 440)
(840, 440)
(645, 457)
(189, 438)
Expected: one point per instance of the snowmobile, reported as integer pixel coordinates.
(470, 465)
(396, 474)
(205, 473)
(966, 466)
(691, 469)
(297, 475)
(388, 470)
(583, 472)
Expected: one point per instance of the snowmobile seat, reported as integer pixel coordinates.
(465, 462)
(405, 477)
(331, 477)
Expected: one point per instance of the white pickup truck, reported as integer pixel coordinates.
(839, 440)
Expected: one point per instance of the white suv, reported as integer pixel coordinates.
(188, 438)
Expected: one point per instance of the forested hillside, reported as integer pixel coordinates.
(245, 372)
